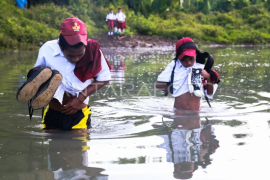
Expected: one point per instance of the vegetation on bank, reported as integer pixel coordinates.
(239, 23)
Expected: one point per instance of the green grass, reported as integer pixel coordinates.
(28, 29)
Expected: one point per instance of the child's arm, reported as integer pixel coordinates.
(207, 77)
(162, 86)
(165, 77)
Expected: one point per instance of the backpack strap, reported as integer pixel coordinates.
(170, 84)
(170, 144)
(200, 58)
(184, 46)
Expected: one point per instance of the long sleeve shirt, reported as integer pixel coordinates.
(51, 55)
(180, 83)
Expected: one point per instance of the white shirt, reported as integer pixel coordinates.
(183, 147)
(180, 84)
(110, 16)
(120, 16)
(75, 174)
(51, 55)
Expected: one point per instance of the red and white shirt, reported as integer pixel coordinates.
(51, 55)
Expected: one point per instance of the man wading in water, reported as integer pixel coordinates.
(62, 77)
(183, 77)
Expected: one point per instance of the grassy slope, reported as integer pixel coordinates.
(25, 29)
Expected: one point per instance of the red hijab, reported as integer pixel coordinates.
(90, 64)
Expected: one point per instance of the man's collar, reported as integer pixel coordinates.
(57, 50)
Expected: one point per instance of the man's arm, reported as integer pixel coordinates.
(93, 87)
(73, 106)
(101, 79)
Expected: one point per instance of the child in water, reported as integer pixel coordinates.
(183, 77)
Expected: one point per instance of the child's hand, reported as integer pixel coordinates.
(206, 75)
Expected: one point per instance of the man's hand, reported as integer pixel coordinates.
(75, 103)
(72, 107)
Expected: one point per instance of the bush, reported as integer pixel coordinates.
(28, 29)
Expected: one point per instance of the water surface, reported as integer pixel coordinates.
(129, 140)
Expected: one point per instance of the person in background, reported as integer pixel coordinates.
(22, 4)
(121, 21)
(110, 18)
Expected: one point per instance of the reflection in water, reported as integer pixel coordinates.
(67, 159)
(240, 116)
(118, 70)
(189, 144)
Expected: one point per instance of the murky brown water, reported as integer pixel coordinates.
(129, 140)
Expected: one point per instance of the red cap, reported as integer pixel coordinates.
(74, 31)
(186, 52)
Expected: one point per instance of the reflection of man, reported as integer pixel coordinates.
(189, 145)
(22, 4)
(118, 71)
(68, 159)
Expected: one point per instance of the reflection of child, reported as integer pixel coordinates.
(118, 71)
(182, 80)
(189, 145)
(68, 159)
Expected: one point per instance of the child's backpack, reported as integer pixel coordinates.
(200, 58)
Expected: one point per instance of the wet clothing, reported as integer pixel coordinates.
(56, 120)
(51, 55)
(21, 3)
(180, 84)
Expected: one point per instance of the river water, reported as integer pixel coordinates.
(135, 134)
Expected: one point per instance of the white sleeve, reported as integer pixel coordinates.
(104, 74)
(165, 76)
(215, 86)
(107, 17)
(124, 16)
(40, 59)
